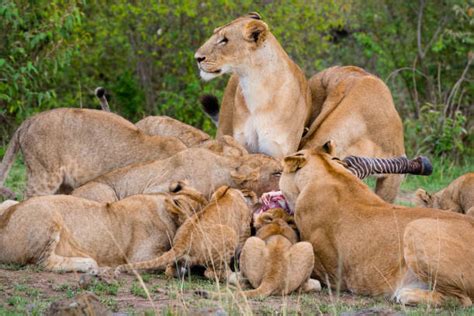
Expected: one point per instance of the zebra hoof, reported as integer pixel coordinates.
(426, 168)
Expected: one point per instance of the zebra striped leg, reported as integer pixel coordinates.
(363, 167)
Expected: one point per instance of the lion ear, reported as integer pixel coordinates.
(177, 186)
(243, 174)
(256, 31)
(424, 197)
(250, 197)
(220, 192)
(330, 147)
(254, 15)
(293, 163)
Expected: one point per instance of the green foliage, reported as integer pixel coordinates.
(436, 134)
(38, 41)
(55, 53)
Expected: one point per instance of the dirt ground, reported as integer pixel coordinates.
(30, 291)
(24, 290)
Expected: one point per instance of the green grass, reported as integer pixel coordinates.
(444, 172)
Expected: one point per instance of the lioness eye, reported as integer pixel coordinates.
(223, 41)
(276, 174)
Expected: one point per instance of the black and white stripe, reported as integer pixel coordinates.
(363, 167)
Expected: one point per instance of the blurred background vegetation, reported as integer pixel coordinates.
(54, 53)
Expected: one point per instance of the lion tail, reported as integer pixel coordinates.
(158, 263)
(100, 94)
(8, 160)
(210, 105)
(265, 289)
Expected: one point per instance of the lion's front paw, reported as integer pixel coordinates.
(312, 285)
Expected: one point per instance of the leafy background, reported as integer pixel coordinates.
(54, 53)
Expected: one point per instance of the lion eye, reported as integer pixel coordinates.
(276, 174)
(223, 41)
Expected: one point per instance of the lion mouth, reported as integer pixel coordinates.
(216, 72)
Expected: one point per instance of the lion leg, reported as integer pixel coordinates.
(217, 250)
(415, 296)
(470, 212)
(42, 182)
(300, 266)
(440, 253)
(387, 186)
(253, 260)
(95, 191)
(51, 261)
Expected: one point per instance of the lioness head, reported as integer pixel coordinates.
(309, 165)
(258, 173)
(231, 46)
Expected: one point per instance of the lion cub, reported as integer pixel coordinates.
(273, 261)
(209, 238)
(74, 234)
(458, 196)
(65, 148)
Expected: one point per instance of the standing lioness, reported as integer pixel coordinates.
(355, 109)
(367, 246)
(267, 101)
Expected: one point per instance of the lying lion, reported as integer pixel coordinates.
(65, 148)
(273, 261)
(74, 234)
(204, 170)
(267, 102)
(367, 246)
(209, 238)
(457, 196)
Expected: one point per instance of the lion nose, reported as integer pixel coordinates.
(199, 58)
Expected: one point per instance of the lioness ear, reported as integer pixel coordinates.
(424, 197)
(330, 148)
(172, 206)
(254, 15)
(220, 192)
(256, 31)
(250, 196)
(293, 163)
(266, 218)
(177, 186)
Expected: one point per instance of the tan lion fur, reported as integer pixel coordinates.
(268, 99)
(209, 238)
(190, 136)
(273, 261)
(367, 246)
(66, 233)
(167, 126)
(65, 148)
(458, 196)
(203, 169)
(6, 204)
(356, 110)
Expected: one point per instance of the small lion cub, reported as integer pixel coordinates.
(209, 238)
(458, 196)
(273, 261)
